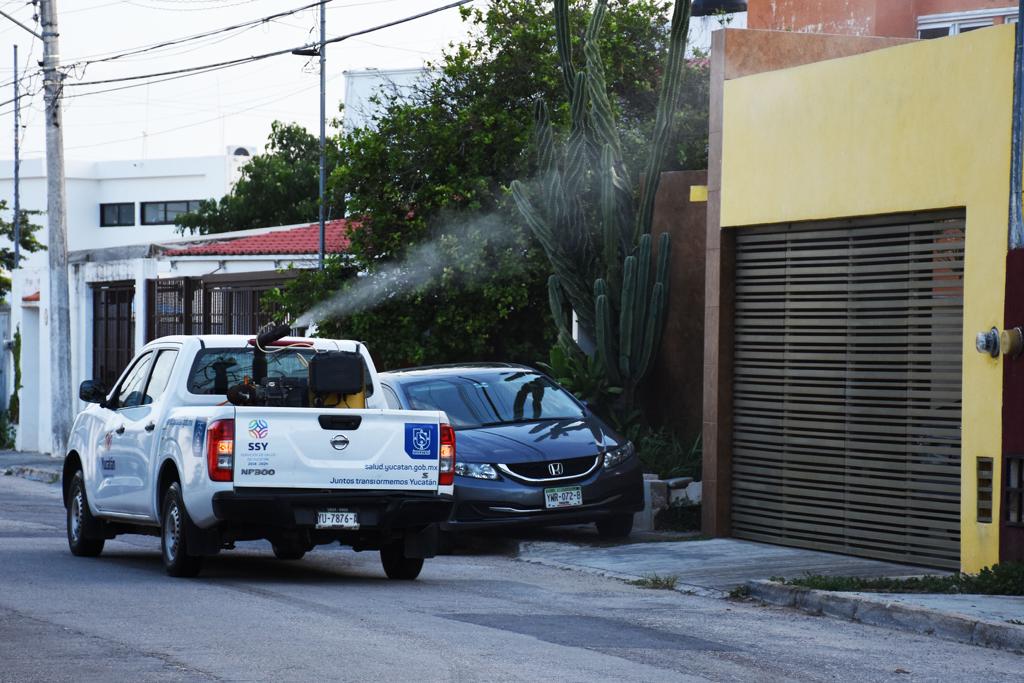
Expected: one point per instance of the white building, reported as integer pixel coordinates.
(114, 203)
(368, 89)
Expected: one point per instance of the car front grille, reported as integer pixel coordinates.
(541, 471)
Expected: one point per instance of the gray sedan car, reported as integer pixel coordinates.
(527, 452)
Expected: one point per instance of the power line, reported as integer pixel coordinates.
(189, 9)
(206, 34)
(206, 68)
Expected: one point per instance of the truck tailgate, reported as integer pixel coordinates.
(309, 448)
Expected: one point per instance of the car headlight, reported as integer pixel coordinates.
(619, 455)
(475, 470)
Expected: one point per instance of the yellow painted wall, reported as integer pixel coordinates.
(915, 127)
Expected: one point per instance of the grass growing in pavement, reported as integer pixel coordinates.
(999, 579)
(667, 583)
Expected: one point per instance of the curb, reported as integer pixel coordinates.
(45, 476)
(944, 625)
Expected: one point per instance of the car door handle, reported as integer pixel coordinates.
(119, 430)
(151, 426)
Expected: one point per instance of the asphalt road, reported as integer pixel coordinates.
(333, 616)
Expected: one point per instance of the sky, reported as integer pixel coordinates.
(201, 114)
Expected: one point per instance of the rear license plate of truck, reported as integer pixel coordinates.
(336, 519)
(563, 497)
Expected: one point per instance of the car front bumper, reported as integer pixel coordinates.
(485, 503)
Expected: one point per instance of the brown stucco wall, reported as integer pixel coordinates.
(736, 53)
(888, 18)
(674, 385)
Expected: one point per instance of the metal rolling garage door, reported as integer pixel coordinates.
(846, 391)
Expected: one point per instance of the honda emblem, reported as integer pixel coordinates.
(556, 469)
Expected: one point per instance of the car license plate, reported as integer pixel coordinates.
(336, 519)
(564, 497)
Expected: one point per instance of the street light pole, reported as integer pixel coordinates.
(17, 164)
(323, 126)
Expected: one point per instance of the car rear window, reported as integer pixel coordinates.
(493, 398)
(214, 370)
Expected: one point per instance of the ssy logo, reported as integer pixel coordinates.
(421, 439)
(259, 429)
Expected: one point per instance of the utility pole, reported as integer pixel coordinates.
(57, 240)
(323, 126)
(17, 164)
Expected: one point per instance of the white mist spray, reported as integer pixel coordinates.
(473, 242)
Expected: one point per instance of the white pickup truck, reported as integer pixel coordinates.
(209, 440)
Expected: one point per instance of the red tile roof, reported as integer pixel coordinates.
(303, 240)
(34, 296)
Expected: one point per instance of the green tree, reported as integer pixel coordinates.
(451, 148)
(29, 243)
(278, 187)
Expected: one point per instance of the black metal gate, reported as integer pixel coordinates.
(211, 306)
(847, 386)
(113, 329)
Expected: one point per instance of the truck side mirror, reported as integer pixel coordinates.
(92, 391)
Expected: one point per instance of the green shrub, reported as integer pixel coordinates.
(6, 432)
(14, 405)
(999, 579)
(663, 453)
(678, 518)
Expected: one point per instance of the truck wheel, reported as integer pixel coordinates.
(82, 526)
(618, 526)
(288, 551)
(396, 565)
(173, 543)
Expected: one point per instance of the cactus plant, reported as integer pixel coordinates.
(592, 219)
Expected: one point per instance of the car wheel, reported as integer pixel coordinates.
(616, 526)
(173, 543)
(396, 565)
(287, 551)
(82, 526)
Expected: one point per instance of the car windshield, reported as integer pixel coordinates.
(482, 400)
(214, 370)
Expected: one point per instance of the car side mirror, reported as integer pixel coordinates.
(92, 391)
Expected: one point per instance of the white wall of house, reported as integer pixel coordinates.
(92, 183)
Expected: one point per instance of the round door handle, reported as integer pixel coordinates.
(151, 426)
(120, 430)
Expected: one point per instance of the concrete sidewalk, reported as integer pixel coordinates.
(31, 465)
(720, 566)
(708, 566)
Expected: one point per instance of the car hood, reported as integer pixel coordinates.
(534, 441)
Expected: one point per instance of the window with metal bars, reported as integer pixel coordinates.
(195, 306)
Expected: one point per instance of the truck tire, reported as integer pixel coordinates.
(83, 528)
(617, 526)
(173, 540)
(396, 565)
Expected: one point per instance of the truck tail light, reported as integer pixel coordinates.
(220, 450)
(446, 471)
